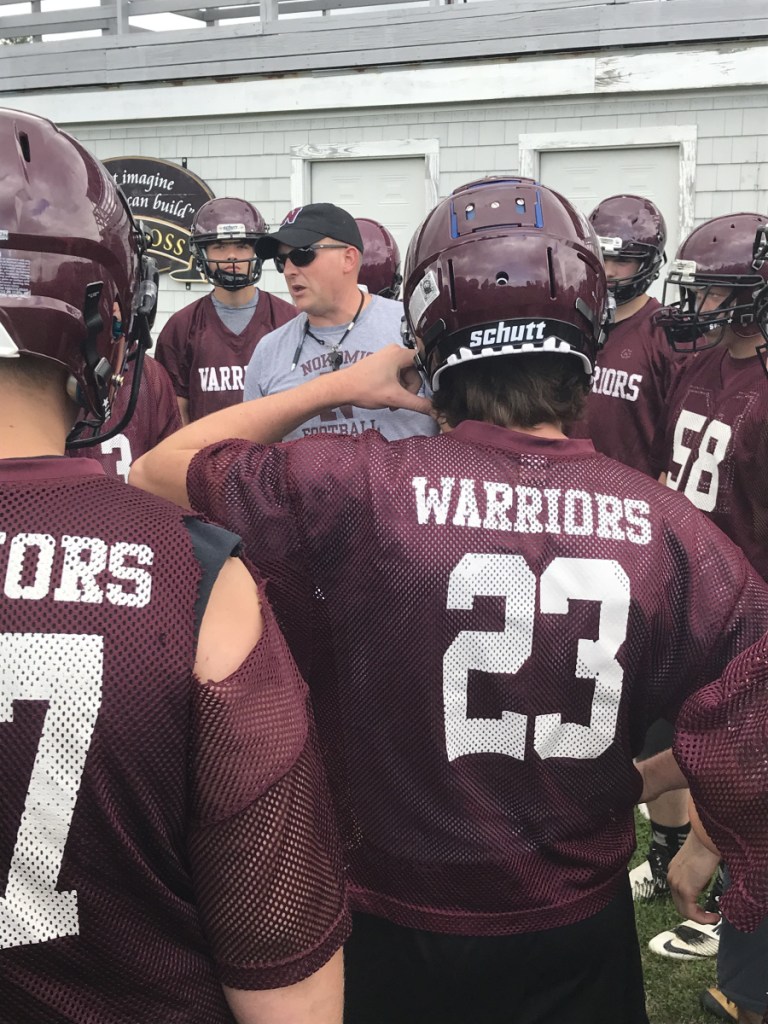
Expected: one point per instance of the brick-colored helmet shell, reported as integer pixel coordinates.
(640, 227)
(210, 220)
(506, 255)
(220, 220)
(65, 227)
(720, 253)
(380, 271)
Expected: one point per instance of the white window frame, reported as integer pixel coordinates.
(530, 148)
(303, 156)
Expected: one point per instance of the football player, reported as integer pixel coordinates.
(489, 619)
(633, 366)
(206, 346)
(155, 416)
(166, 846)
(718, 402)
(380, 269)
(713, 444)
(625, 404)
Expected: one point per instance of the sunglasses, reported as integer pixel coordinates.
(302, 257)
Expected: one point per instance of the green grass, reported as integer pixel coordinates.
(672, 986)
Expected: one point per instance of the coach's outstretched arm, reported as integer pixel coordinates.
(387, 378)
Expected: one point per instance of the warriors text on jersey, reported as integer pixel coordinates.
(205, 360)
(489, 622)
(143, 812)
(628, 392)
(713, 444)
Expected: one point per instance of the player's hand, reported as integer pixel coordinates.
(388, 378)
(689, 874)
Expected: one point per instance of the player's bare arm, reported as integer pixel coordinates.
(318, 998)
(661, 774)
(231, 627)
(387, 378)
(232, 623)
(183, 409)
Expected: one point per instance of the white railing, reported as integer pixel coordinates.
(35, 20)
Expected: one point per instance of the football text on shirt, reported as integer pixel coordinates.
(617, 383)
(492, 505)
(80, 569)
(221, 378)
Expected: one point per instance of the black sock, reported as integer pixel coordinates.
(671, 837)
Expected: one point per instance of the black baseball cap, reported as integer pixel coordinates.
(308, 224)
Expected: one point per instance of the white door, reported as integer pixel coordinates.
(585, 176)
(390, 191)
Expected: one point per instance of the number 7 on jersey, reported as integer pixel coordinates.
(66, 670)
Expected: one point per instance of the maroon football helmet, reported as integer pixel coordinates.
(220, 220)
(502, 266)
(70, 249)
(759, 259)
(725, 252)
(380, 272)
(631, 227)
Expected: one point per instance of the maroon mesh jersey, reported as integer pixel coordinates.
(489, 622)
(155, 417)
(158, 834)
(205, 360)
(721, 746)
(713, 443)
(628, 393)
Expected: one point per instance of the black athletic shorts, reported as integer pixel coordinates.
(586, 973)
(658, 738)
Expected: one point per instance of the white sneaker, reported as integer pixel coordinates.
(689, 941)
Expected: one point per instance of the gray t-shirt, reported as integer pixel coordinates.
(269, 370)
(236, 318)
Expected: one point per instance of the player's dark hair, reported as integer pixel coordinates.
(514, 391)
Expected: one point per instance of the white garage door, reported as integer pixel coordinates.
(390, 191)
(586, 176)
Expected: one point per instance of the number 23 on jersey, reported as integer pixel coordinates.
(506, 651)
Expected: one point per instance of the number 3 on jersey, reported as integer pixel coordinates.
(65, 670)
(507, 650)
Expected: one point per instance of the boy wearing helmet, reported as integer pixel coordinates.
(152, 722)
(712, 440)
(486, 624)
(206, 346)
(710, 437)
(633, 367)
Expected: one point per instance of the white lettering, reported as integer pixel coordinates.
(39, 586)
(88, 570)
(433, 503)
(78, 576)
(489, 504)
(499, 498)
